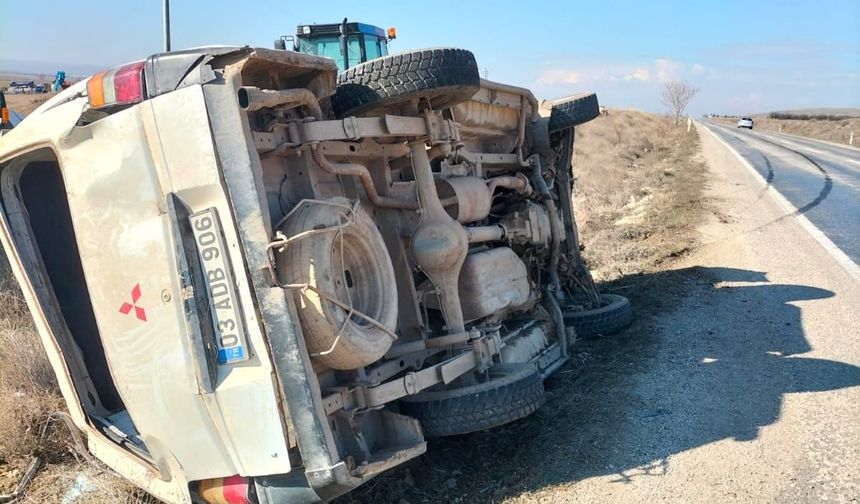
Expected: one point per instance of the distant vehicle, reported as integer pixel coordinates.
(26, 87)
(745, 122)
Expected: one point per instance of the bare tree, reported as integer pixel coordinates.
(676, 96)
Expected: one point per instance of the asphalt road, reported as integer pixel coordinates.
(749, 390)
(821, 180)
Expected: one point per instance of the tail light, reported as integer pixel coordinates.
(230, 490)
(4, 112)
(120, 86)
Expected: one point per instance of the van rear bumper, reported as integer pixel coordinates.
(297, 488)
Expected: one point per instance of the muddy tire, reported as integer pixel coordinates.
(513, 391)
(442, 77)
(573, 111)
(615, 315)
(361, 272)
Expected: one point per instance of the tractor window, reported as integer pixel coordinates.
(353, 48)
(372, 47)
(328, 47)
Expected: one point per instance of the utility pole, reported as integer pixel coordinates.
(166, 25)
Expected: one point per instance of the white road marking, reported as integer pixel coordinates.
(852, 268)
(798, 146)
(834, 144)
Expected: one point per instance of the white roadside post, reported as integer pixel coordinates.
(689, 124)
(851, 139)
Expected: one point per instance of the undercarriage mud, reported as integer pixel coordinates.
(427, 238)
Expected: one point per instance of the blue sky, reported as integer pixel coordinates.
(745, 56)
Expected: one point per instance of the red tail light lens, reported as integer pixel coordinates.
(128, 83)
(230, 490)
(121, 86)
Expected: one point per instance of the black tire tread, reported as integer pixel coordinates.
(477, 408)
(609, 319)
(445, 76)
(573, 111)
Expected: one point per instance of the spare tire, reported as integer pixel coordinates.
(352, 266)
(615, 314)
(511, 392)
(573, 110)
(442, 77)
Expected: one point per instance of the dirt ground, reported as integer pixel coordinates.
(749, 390)
(633, 171)
(639, 197)
(738, 382)
(23, 104)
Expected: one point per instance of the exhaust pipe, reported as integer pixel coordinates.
(363, 175)
(253, 98)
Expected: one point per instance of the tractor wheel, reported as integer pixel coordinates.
(615, 314)
(440, 77)
(511, 392)
(573, 110)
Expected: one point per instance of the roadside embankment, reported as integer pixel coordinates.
(638, 194)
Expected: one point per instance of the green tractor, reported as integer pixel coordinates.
(348, 44)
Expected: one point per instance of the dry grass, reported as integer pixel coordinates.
(638, 190)
(94, 486)
(831, 131)
(638, 198)
(24, 104)
(28, 389)
(28, 395)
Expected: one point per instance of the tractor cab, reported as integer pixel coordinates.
(348, 44)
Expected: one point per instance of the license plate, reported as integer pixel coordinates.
(223, 303)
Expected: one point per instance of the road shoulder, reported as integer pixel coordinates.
(749, 391)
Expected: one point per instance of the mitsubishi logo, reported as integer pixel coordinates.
(139, 312)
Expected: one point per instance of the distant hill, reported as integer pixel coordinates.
(21, 67)
(834, 111)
